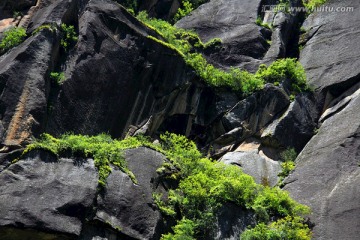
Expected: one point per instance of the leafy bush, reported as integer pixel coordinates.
(282, 70)
(12, 37)
(187, 8)
(189, 46)
(58, 77)
(311, 4)
(205, 185)
(69, 36)
(288, 162)
(285, 228)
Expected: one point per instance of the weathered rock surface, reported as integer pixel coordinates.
(331, 50)
(296, 126)
(327, 175)
(46, 195)
(24, 89)
(164, 9)
(264, 170)
(234, 23)
(43, 197)
(130, 207)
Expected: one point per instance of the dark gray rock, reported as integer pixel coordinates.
(232, 221)
(296, 126)
(331, 51)
(249, 116)
(326, 177)
(234, 23)
(129, 207)
(264, 170)
(164, 9)
(110, 96)
(46, 195)
(24, 89)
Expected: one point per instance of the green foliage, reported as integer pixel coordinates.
(205, 185)
(286, 228)
(288, 69)
(69, 36)
(288, 162)
(311, 4)
(50, 27)
(189, 46)
(184, 230)
(129, 4)
(186, 8)
(58, 77)
(12, 37)
(260, 22)
(102, 148)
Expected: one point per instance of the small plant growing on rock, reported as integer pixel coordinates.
(58, 77)
(288, 162)
(69, 36)
(12, 37)
(185, 10)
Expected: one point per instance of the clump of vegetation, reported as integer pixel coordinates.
(12, 37)
(283, 70)
(186, 8)
(69, 36)
(205, 185)
(260, 22)
(285, 228)
(102, 148)
(189, 46)
(288, 162)
(58, 77)
(311, 4)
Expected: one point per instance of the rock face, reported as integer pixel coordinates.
(263, 170)
(24, 88)
(244, 43)
(121, 81)
(46, 198)
(327, 174)
(327, 56)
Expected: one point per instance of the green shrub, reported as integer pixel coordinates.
(184, 10)
(204, 186)
(12, 37)
(288, 69)
(58, 77)
(311, 4)
(288, 162)
(69, 36)
(260, 22)
(286, 228)
(189, 46)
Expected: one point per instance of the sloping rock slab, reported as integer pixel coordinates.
(129, 207)
(327, 176)
(264, 171)
(331, 53)
(46, 195)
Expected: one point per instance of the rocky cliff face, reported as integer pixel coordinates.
(119, 80)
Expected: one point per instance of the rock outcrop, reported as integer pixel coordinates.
(120, 80)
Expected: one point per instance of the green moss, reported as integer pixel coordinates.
(12, 37)
(260, 22)
(50, 27)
